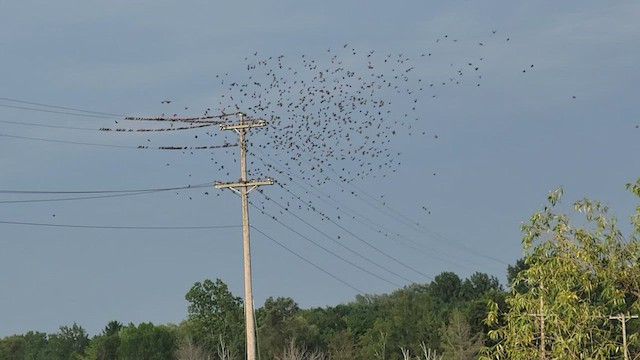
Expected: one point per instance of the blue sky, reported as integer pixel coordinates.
(570, 120)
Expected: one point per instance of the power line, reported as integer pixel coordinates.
(308, 261)
(47, 126)
(373, 225)
(110, 227)
(326, 249)
(370, 245)
(340, 244)
(69, 142)
(198, 126)
(420, 228)
(379, 228)
(60, 107)
(198, 186)
(206, 147)
(79, 197)
(59, 112)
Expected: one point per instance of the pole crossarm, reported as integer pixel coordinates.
(623, 318)
(242, 125)
(250, 185)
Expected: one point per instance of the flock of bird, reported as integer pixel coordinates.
(337, 114)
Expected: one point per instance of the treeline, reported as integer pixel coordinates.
(443, 317)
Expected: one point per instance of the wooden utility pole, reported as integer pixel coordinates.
(623, 319)
(543, 345)
(244, 187)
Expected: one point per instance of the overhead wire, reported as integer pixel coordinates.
(47, 126)
(5, 191)
(308, 261)
(109, 195)
(69, 142)
(403, 219)
(274, 218)
(199, 121)
(122, 146)
(113, 227)
(88, 115)
(60, 107)
(371, 246)
(412, 244)
(338, 242)
(375, 226)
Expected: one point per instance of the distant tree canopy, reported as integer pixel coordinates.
(371, 327)
(215, 315)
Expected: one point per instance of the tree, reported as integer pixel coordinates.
(512, 275)
(342, 346)
(146, 341)
(457, 339)
(277, 325)
(214, 313)
(478, 284)
(189, 350)
(446, 287)
(36, 344)
(12, 348)
(294, 352)
(576, 277)
(404, 319)
(105, 346)
(68, 344)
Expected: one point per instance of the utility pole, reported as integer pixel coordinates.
(542, 346)
(244, 187)
(623, 319)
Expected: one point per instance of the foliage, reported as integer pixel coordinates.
(446, 287)
(105, 346)
(67, 344)
(458, 340)
(281, 321)
(405, 318)
(214, 314)
(576, 277)
(189, 350)
(36, 344)
(12, 348)
(381, 326)
(146, 341)
(295, 352)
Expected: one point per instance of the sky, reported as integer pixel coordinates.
(527, 97)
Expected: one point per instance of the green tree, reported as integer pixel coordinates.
(512, 275)
(342, 346)
(67, 344)
(215, 315)
(446, 287)
(36, 344)
(458, 341)
(12, 348)
(576, 277)
(404, 319)
(278, 325)
(478, 284)
(105, 346)
(146, 341)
